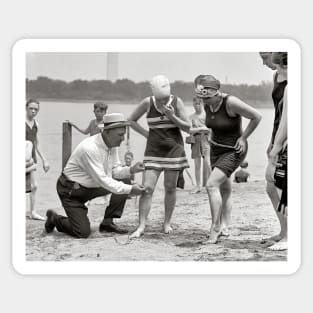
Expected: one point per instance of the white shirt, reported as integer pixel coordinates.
(92, 164)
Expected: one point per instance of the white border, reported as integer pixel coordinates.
(155, 45)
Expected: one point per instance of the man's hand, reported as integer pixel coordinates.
(137, 189)
(46, 166)
(136, 168)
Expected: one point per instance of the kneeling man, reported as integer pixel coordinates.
(94, 170)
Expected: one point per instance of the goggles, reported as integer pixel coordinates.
(203, 92)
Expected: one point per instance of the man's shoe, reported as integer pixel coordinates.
(111, 228)
(50, 223)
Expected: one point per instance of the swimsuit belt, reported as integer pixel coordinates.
(220, 145)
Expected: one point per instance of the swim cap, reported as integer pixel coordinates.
(204, 85)
(160, 86)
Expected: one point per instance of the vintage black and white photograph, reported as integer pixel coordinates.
(173, 155)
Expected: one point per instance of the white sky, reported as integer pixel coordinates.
(245, 67)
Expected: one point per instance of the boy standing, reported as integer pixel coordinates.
(32, 109)
(95, 126)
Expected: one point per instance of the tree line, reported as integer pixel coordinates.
(125, 90)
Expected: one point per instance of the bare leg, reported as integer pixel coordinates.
(28, 205)
(225, 189)
(274, 195)
(197, 175)
(190, 176)
(150, 179)
(206, 168)
(282, 243)
(33, 214)
(170, 182)
(216, 178)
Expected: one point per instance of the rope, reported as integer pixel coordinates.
(220, 145)
(123, 243)
(128, 138)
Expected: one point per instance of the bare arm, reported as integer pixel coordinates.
(136, 115)
(201, 129)
(31, 168)
(281, 135)
(83, 131)
(45, 163)
(197, 129)
(238, 107)
(28, 154)
(180, 118)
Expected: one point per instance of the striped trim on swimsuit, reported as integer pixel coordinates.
(160, 122)
(165, 163)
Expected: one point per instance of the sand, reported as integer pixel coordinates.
(252, 219)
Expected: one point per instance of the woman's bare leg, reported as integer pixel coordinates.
(274, 195)
(170, 183)
(225, 189)
(216, 178)
(28, 205)
(150, 179)
(282, 241)
(206, 168)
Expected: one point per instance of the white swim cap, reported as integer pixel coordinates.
(160, 86)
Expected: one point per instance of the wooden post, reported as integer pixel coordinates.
(66, 143)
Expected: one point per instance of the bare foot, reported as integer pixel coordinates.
(279, 246)
(213, 237)
(167, 229)
(137, 233)
(196, 190)
(276, 238)
(36, 216)
(224, 232)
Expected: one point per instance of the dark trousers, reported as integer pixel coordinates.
(73, 197)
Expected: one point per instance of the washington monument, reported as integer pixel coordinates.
(112, 66)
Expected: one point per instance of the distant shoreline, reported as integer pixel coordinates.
(254, 103)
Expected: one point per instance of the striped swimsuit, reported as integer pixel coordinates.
(165, 145)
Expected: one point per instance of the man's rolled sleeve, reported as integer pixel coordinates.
(119, 171)
(94, 167)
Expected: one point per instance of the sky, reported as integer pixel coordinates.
(229, 67)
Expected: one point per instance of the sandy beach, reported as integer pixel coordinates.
(253, 219)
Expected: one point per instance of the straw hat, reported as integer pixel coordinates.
(114, 120)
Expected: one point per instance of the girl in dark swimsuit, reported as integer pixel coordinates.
(228, 146)
(278, 158)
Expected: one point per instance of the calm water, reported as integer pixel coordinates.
(52, 114)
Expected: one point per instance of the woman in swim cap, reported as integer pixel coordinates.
(276, 172)
(228, 146)
(166, 118)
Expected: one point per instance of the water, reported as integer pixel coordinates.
(53, 114)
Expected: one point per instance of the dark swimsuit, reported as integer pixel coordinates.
(31, 135)
(277, 96)
(225, 130)
(281, 170)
